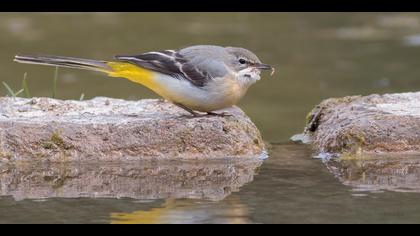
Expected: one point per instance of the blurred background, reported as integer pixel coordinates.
(317, 55)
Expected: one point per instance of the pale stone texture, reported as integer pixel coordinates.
(112, 129)
(387, 123)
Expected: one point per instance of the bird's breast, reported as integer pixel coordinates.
(225, 92)
(218, 93)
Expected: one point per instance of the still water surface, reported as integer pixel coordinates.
(317, 56)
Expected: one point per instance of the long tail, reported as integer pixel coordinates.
(70, 62)
(119, 69)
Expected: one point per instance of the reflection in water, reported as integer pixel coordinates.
(291, 187)
(212, 180)
(399, 173)
(186, 210)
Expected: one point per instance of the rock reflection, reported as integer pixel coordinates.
(400, 173)
(213, 180)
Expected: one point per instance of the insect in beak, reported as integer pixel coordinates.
(265, 67)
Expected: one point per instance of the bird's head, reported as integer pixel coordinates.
(246, 64)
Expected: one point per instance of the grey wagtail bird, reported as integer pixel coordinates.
(202, 78)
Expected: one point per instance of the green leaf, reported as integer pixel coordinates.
(25, 85)
(82, 97)
(9, 90)
(19, 92)
(54, 92)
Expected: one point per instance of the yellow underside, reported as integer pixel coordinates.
(136, 74)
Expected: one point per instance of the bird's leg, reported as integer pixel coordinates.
(223, 114)
(195, 114)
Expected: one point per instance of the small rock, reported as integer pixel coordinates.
(387, 123)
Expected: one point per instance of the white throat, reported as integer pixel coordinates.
(248, 76)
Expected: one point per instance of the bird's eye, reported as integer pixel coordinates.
(242, 61)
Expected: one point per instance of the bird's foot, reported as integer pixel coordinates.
(194, 115)
(223, 114)
(208, 114)
(197, 115)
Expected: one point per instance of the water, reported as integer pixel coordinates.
(316, 55)
(289, 187)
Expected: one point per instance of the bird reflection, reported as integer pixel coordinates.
(230, 211)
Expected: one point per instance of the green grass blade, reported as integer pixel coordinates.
(25, 85)
(54, 92)
(19, 92)
(9, 90)
(82, 97)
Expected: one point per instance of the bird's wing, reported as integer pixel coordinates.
(171, 63)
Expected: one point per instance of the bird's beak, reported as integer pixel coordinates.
(262, 66)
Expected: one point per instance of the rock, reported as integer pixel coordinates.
(210, 179)
(387, 123)
(112, 129)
